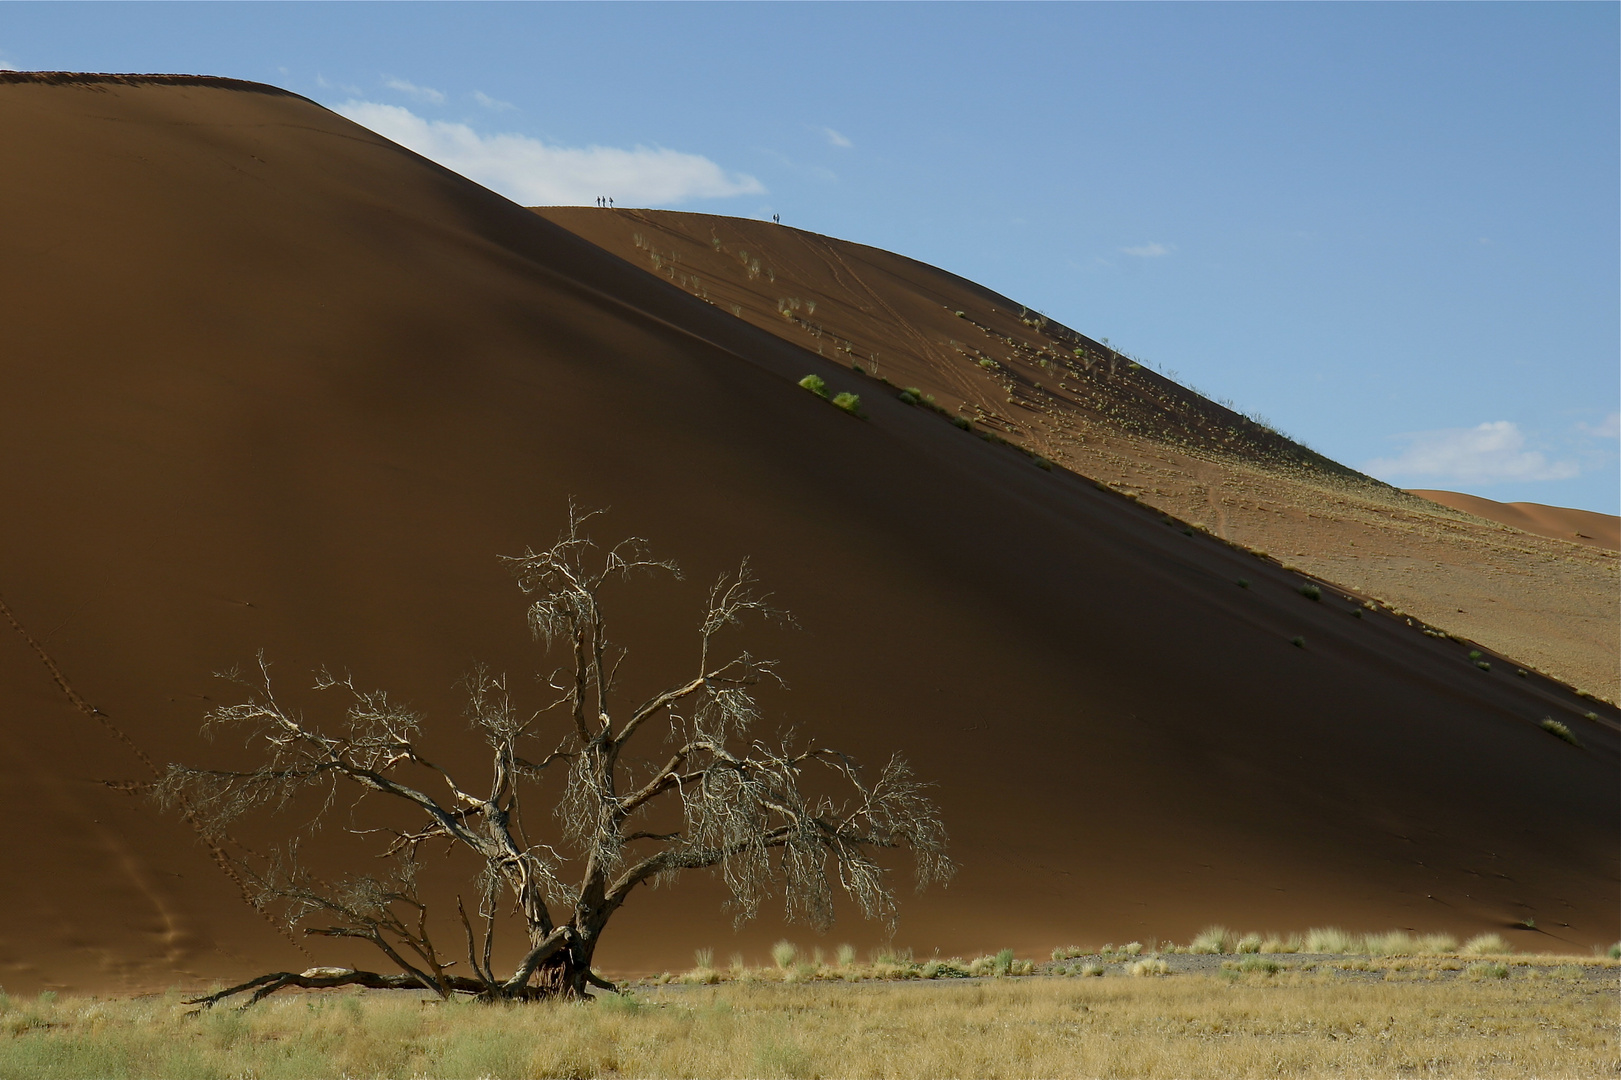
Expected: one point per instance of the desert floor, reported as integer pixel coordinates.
(1232, 1016)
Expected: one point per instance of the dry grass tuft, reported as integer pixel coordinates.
(1560, 731)
(1331, 939)
(1486, 945)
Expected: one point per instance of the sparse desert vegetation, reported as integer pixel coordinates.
(1225, 1004)
(1253, 1017)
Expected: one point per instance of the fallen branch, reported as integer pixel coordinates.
(329, 978)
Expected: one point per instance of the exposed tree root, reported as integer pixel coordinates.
(330, 978)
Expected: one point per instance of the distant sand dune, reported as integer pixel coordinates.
(1074, 400)
(271, 381)
(1561, 523)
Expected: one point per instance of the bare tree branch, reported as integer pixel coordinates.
(482, 972)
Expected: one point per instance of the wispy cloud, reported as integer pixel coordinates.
(5, 66)
(321, 81)
(1485, 454)
(421, 93)
(529, 171)
(835, 138)
(1149, 251)
(817, 172)
(1607, 428)
(491, 103)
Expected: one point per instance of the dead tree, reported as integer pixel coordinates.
(765, 818)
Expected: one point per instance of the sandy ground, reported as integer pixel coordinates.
(273, 382)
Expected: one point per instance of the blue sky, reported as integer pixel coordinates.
(1391, 229)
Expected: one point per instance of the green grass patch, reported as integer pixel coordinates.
(850, 403)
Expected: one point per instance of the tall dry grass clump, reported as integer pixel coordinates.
(1212, 939)
(1332, 940)
(1486, 945)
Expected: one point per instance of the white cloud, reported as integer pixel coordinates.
(421, 93)
(835, 138)
(1149, 251)
(1484, 454)
(4, 66)
(529, 171)
(1607, 428)
(490, 103)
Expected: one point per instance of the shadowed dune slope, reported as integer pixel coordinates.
(1552, 603)
(271, 381)
(1563, 523)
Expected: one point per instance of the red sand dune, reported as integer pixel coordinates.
(274, 382)
(1559, 522)
(1059, 393)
